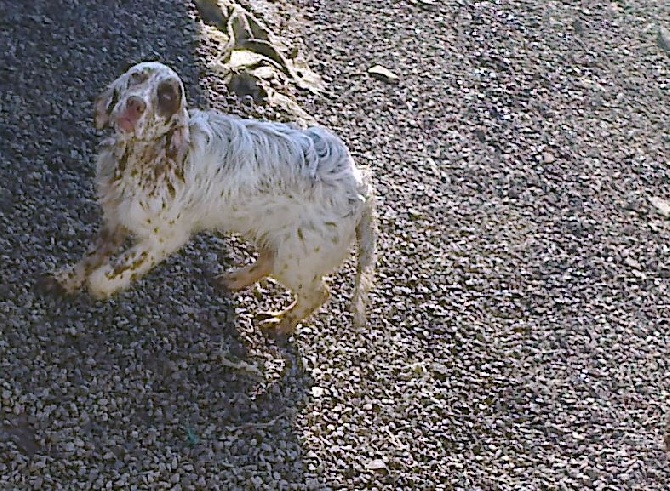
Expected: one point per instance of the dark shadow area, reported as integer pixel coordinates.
(161, 384)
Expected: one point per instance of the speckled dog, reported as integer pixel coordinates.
(166, 173)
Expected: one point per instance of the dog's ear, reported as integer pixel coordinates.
(171, 106)
(103, 106)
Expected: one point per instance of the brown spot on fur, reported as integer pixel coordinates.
(171, 189)
(172, 153)
(104, 105)
(122, 268)
(317, 249)
(156, 230)
(331, 224)
(139, 260)
(159, 169)
(113, 101)
(179, 172)
(105, 235)
(147, 154)
(301, 236)
(123, 161)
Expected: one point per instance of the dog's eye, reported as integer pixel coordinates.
(169, 98)
(137, 78)
(166, 97)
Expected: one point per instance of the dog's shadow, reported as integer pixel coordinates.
(193, 381)
(164, 371)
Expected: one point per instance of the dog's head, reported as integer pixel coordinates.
(145, 103)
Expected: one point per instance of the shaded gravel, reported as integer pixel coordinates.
(519, 332)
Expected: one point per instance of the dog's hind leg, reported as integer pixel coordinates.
(244, 277)
(309, 297)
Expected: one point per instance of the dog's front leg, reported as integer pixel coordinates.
(131, 265)
(72, 279)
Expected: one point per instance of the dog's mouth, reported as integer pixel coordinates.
(126, 124)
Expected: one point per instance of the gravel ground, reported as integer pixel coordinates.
(518, 336)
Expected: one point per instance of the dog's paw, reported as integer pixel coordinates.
(277, 323)
(99, 285)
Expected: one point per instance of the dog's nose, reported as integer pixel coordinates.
(135, 106)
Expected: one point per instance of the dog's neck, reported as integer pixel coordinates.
(155, 158)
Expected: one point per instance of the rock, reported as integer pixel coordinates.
(578, 26)
(246, 85)
(376, 465)
(633, 263)
(661, 205)
(256, 63)
(663, 39)
(244, 59)
(211, 13)
(429, 4)
(383, 74)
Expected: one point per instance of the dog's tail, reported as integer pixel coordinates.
(366, 236)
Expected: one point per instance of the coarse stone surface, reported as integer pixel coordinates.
(518, 335)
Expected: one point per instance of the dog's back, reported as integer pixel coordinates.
(268, 176)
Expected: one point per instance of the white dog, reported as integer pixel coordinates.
(166, 173)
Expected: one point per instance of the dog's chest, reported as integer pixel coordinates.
(143, 214)
(140, 187)
(146, 207)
